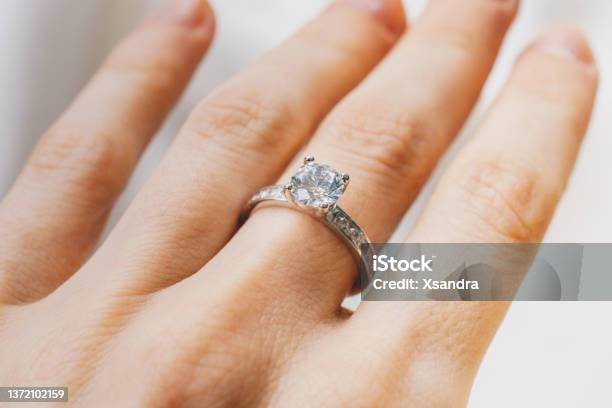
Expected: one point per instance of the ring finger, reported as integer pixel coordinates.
(388, 135)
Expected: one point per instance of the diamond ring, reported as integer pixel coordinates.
(315, 189)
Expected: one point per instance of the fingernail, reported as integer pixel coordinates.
(389, 12)
(566, 42)
(190, 13)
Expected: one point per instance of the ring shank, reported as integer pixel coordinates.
(336, 219)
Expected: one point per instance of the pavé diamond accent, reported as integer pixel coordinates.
(317, 185)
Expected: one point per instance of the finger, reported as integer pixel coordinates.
(53, 215)
(524, 152)
(503, 187)
(240, 138)
(388, 135)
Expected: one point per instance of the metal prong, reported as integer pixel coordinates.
(323, 209)
(308, 159)
(346, 179)
(288, 189)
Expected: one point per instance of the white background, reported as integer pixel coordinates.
(545, 355)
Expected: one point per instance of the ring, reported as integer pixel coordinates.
(315, 189)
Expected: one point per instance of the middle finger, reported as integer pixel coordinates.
(239, 138)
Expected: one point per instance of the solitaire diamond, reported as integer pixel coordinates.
(317, 185)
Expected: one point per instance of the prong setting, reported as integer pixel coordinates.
(323, 209)
(316, 187)
(289, 189)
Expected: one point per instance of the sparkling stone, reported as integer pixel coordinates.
(342, 222)
(317, 185)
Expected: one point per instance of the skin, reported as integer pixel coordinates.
(177, 307)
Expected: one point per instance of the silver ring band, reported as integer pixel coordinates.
(329, 213)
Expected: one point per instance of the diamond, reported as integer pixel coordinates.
(317, 185)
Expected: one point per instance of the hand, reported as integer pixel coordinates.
(176, 307)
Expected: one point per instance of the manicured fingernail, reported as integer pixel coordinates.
(389, 12)
(565, 42)
(189, 13)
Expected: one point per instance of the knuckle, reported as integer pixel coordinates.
(91, 164)
(488, 16)
(512, 199)
(387, 141)
(344, 48)
(498, 14)
(243, 121)
(153, 76)
(561, 88)
(138, 60)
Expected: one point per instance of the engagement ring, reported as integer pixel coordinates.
(315, 189)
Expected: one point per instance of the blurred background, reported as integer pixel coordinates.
(545, 355)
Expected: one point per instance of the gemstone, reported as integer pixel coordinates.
(342, 222)
(317, 185)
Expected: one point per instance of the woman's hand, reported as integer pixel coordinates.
(178, 308)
